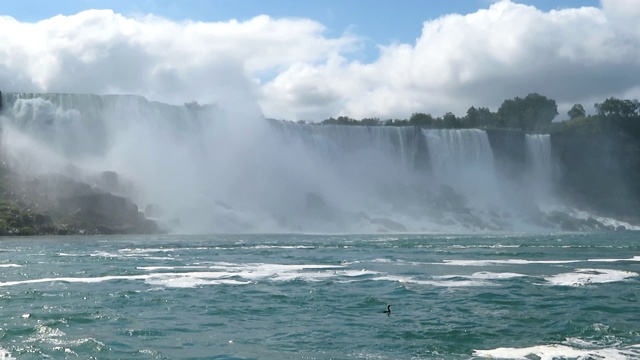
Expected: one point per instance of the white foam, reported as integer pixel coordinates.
(281, 247)
(380, 260)
(526, 262)
(4, 354)
(156, 268)
(495, 246)
(495, 276)
(74, 280)
(556, 351)
(635, 258)
(189, 281)
(9, 265)
(583, 277)
(443, 282)
(223, 273)
(155, 250)
(503, 262)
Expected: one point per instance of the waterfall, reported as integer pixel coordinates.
(84, 125)
(337, 141)
(540, 164)
(451, 149)
(215, 171)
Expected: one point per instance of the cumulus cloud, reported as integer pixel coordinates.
(571, 55)
(98, 51)
(294, 71)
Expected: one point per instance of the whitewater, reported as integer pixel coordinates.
(205, 169)
(460, 241)
(551, 296)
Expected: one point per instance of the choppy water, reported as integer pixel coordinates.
(321, 297)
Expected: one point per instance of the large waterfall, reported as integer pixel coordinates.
(541, 165)
(211, 170)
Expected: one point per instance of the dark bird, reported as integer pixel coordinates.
(388, 311)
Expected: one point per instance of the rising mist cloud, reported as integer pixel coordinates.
(294, 71)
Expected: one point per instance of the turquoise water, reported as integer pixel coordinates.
(321, 297)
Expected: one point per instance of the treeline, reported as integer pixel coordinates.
(534, 114)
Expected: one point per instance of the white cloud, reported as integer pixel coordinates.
(506, 50)
(98, 51)
(480, 59)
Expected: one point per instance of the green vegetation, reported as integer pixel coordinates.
(29, 207)
(534, 113)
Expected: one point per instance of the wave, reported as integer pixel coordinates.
(4, 354)
(582, 277)
(558, 351)
(526, 262)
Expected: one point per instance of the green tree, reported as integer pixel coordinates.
(577, 111)
(370, 122)
(450, 121)
(620, 114)
(478, 117)
(617, 108)
(534, 112)
(421, 119)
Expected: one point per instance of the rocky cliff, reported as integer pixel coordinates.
(56, 204)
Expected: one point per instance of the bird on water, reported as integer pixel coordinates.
(388, 311)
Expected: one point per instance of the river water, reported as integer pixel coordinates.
(545, 296)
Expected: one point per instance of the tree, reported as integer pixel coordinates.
(576, 111)
(420, 119)
(477, 117)
(370, 122)
(621, 114)
(531, 113)
(617, 108)
(450, 121)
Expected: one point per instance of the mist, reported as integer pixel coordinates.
(216, 169)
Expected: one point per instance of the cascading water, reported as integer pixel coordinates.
(541, 164)
(457, 156)
(210, 170)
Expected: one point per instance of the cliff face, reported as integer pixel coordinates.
(600, 171)
(509, 151)
(55, 204)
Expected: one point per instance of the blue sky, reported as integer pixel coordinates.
(375, 21)
(311, 60)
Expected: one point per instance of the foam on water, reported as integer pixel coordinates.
(558, 351)
(582, 277)
(230, 274)
(495, 276)
(503, 262)
(324, 303)
(443, 281)
(4, 354)
(526, 262)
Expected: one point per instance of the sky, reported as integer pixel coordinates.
(310, 60)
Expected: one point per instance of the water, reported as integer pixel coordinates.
(562, 296)
(541, 160)
(197, 163)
